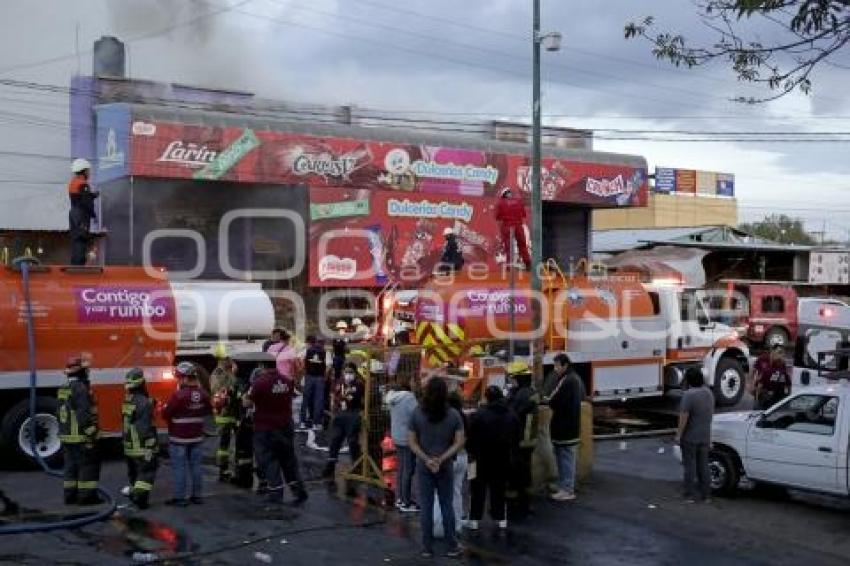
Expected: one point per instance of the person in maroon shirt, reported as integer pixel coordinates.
(185, 412)
(771, 379)
(274, 434)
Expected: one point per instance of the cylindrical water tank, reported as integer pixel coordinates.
(109, 57)
(222, 309)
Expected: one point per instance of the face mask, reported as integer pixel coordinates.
(348, 377)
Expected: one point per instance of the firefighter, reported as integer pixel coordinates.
(82, 210)
(226, 408)
(140, 443)
(243, 473)
(511, 214)
(78, 431)
(347, 421)
(524, 401)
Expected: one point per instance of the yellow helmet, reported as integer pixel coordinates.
(220, 351)
(476, 350)
(517, 367)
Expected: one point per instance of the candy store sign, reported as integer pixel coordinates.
(606, 187)
(426, 209)
(324, 165)
(450, 171)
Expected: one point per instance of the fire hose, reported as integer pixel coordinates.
(24, 264)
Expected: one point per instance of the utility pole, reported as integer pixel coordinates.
(552, 42)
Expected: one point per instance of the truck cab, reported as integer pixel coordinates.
(695, 339)
(801, 443)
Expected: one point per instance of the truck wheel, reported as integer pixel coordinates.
(729, 382)
(776, 336)
(15, 431)
(724, 473)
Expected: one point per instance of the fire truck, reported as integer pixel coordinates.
(625, 338)
(122, 317)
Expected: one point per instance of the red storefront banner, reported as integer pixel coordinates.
(176, 150)
(364, 238)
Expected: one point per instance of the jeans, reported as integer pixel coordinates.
(695, 462)
(405, 469)
(313, 402)
(459, 467)
(275, 451)
(185, 462)
(565, 457)
(443, 483)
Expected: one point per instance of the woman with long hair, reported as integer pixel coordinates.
(435, 437)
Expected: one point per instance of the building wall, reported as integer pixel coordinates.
(668, 211)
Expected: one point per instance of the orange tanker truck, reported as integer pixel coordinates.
(625, 338)
(122, 317)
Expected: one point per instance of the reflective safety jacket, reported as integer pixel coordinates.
(524, 401)
(139, 427)
(225, 396)
(77, 412)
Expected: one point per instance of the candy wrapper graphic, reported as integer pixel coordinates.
(376, 248)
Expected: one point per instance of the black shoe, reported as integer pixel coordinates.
(177, 502)
(455, 553)
(262, 487)
(196, 500)
(426, 554)
(224, 477)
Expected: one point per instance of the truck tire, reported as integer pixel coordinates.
(16, 437)
(776, 336)
(729, 382)
(724, 473)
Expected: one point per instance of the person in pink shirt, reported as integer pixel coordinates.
(286, 358)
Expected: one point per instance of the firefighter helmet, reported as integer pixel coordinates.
(448, 231)
(186, 370)
(356, 322)
(79, 165)
(517, 367)
(134, 378)
(220, 351)
(341, 325)
(476, 350)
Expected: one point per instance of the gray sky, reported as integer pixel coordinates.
(461, 60)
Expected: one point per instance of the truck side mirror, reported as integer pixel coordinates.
(805, 377)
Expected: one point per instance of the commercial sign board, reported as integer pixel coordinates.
(829, 267)
(665, 180)
(706, 183)
(689, 181)
(112, 124)
(214, 153)
(686, 181)
(367, 238)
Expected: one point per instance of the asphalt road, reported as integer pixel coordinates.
(629, 513)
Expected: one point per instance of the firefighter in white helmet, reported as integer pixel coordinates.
(82, 210)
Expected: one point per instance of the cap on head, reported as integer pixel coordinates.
(134, 378)
(448, 232)
(186, 370)
(341, 325)
(505, 192)
(356, 322)
(517, 367)
(79, 165)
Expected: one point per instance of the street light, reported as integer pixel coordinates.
(551, 42)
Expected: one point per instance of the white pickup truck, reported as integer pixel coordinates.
(801, 442)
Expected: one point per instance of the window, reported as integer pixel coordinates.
(772, 304)
(810, 414)
(656, 302)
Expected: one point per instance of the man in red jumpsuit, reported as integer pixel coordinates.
(510, 212)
